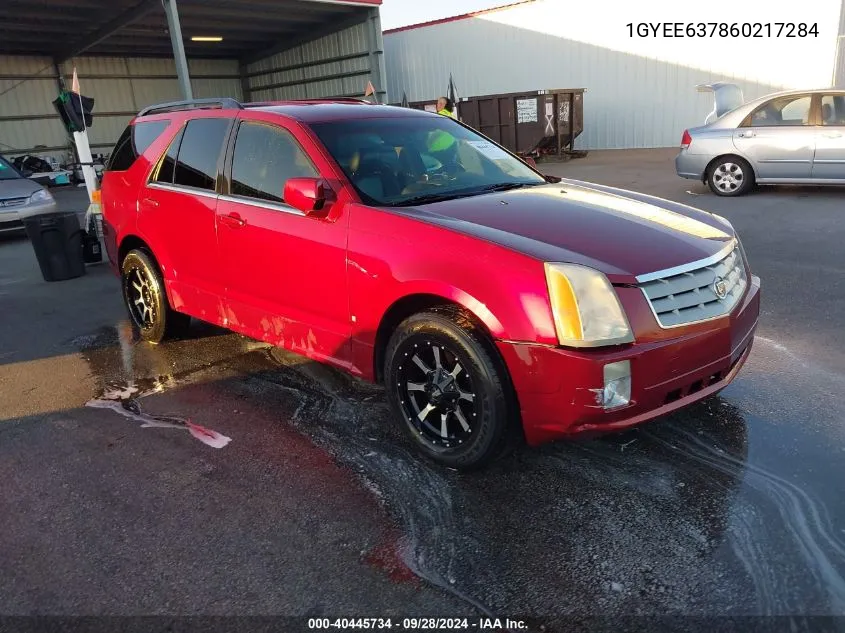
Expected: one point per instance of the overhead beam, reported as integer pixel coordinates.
(223, 29)
(279, 7)
(359, 17)
(110, 28)
(41, 5)
(191, 13)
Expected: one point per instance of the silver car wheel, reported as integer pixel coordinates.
(728, 177)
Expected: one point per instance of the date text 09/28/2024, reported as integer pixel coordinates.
(415, 624)
(722, 29)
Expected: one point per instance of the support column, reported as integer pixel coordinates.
(376, 46)
(60, 80)
(178, 48)
(838, 79)
(246, 95)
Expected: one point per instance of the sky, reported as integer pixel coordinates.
(396, 13)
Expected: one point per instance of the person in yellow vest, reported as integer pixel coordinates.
(441, 144)
(446, 107)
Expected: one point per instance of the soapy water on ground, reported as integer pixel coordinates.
(124, 401)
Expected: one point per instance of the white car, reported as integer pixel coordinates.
(20, 198)
(795, 137)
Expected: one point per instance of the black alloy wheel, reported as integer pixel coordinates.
(449, 388)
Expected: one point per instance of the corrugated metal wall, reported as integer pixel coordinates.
(119, 86)
(337, 65)
(640, 90)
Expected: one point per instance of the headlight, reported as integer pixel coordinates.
(586, 309)
(42, 195)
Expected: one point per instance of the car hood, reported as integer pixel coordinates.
(18, 188)
(624, 234)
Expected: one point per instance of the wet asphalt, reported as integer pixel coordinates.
(316, 505)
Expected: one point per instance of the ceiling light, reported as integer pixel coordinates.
(206, 38)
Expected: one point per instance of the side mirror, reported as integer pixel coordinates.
(552, 178)
(307, 195)
(27, 173)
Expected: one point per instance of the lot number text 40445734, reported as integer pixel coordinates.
(722, 29)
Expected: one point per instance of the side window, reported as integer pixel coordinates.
(196, 165)
(833, 110)
(133, 142)
(265, 157)
(784, 111)
(168, 164)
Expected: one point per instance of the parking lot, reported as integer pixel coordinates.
(317, 506)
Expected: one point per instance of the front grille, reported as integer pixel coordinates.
(7, 203)
(690, 296)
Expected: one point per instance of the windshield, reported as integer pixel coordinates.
(414, 160)
(7, 171)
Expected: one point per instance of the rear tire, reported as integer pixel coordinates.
(146, 299)
(449, 390)
(730, 176)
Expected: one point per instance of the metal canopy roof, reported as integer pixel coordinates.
(250, 29)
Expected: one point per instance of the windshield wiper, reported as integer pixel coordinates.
(433, 197)
(440, 197)
(504, 186)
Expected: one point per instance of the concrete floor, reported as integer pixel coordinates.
(317, 506)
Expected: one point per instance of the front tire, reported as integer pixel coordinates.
(449, 389)
(730, 176)
(146, 300)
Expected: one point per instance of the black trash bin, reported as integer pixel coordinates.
(57, 240)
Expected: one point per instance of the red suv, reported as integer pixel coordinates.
(405, 248)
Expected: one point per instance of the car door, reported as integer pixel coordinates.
(829, 160)
(177, 215)
(778, 138)
(284, 272)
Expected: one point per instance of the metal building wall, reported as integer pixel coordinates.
(119, 86)
(337, 65)
(640, 92)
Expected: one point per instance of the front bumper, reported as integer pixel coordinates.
(12, 221)
(691, 166)
(556, 387)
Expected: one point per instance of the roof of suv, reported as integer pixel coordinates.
(307, 111)
(313, 111)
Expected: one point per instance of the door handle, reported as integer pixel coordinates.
(832, 134)
(232, 219)
(745, 134)
(150, 201)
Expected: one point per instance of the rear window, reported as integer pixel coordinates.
(133, 142)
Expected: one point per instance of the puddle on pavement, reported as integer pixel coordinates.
(667, 518)
(128, 370)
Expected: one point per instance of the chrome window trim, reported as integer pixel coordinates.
(262, 204)
(683, 268)
(203, 193)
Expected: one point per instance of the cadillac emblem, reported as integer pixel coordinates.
(720, 287)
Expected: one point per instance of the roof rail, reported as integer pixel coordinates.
(190, 104)
(261, 104)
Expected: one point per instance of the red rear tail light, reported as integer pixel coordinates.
(686, 139)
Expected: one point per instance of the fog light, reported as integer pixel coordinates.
(617, 385)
